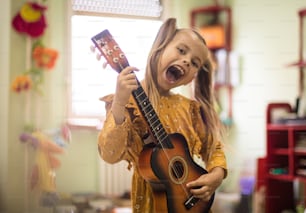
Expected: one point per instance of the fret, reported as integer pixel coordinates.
(149, 113)
(157, 129)
(138, 92)
(145, 105)
(165, 139)
(156, 125)
(160, 133)
(151, 116)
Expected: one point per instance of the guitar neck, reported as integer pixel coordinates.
(111, 51)
(151, 117)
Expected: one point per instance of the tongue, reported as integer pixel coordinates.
(170, 77)
(173, 74)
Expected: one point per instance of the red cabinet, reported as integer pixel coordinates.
(283, 170)
(285, 161)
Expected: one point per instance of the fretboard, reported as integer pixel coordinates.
(151, 117)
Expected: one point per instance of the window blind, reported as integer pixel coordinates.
(146, 8)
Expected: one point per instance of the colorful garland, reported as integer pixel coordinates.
(31, 21)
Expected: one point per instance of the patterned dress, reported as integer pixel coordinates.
(177, 114)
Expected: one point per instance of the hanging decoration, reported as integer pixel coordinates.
(44, 58)
(46, 145)
(22, 83)
(30, 22)
(30, 19)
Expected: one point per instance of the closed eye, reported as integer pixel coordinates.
(181, 51)
(195, 64)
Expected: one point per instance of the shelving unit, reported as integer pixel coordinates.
(215, 10)
(281, 165)
(225, 25)
(283, 170)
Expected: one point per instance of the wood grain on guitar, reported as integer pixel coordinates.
(166, 164)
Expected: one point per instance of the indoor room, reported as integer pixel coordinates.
(61, 60)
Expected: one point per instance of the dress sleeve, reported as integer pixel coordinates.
(112, 139)
(217, 158)
(119, 142)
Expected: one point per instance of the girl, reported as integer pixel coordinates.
(177, 57)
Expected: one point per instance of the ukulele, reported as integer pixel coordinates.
(165, 163)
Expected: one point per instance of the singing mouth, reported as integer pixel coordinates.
(174, 73)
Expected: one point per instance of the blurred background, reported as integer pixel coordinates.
(51, 83)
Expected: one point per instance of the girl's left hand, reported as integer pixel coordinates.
(206, 184)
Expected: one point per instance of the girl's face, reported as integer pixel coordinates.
(181, 60)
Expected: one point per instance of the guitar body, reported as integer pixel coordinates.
(168, 171)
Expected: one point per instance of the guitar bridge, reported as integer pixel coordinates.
(191, 202)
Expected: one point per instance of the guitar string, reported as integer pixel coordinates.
(161, 144)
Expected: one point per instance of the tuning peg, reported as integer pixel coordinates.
(104, 65)
(92, 48)
(98, 56)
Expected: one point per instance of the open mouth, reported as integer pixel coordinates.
(174, 73)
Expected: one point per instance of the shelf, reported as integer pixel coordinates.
(301, 178)
(215, 9)
(302, 13)
(286, 127)
(210, 9)
(300, 151)
(218, 86)
(281, 177)
(300, 64)
(281, 152)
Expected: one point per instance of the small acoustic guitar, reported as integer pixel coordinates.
(166, 163)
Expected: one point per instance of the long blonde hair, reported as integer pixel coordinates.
(203, 84)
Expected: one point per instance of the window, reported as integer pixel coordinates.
(89, 80)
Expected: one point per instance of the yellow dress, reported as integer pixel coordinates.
(124, 142)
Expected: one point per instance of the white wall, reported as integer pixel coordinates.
(4, 87)
(265, 35)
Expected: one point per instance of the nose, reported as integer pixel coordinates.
(186, 62)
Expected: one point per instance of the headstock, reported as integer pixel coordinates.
(110, 50)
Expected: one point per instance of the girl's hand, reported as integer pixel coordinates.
(206, 184)
(126, 83)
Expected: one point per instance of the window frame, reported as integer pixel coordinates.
(73, 120)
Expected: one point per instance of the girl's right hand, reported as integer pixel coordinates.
(126, 83)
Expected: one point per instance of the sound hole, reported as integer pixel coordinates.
(178, 169)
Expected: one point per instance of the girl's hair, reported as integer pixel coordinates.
(203, 83)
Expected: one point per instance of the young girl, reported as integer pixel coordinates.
(177, 57)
